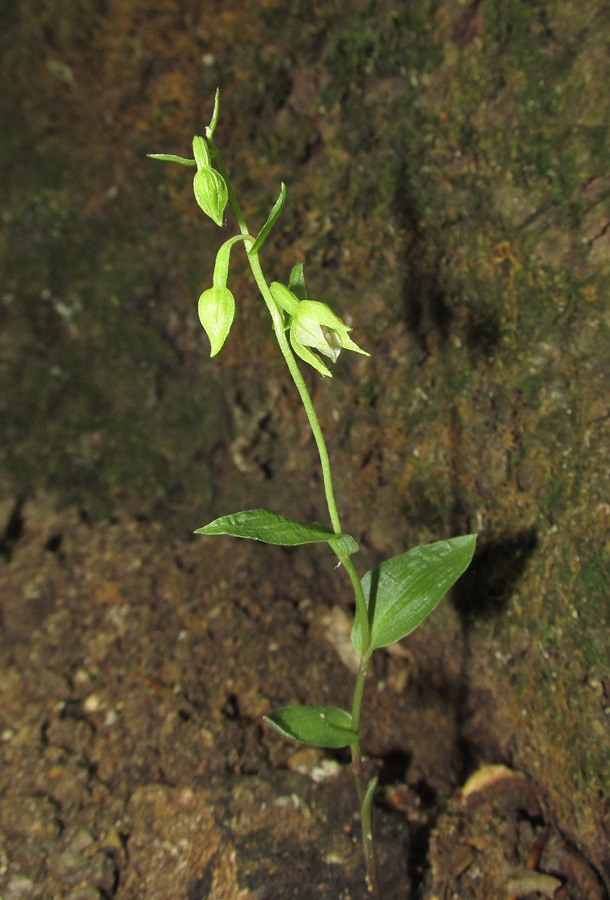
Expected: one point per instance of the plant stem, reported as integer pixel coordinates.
(277, 317)
(368, 840)
(363, 614)
(278, 327)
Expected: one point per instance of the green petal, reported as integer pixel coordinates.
(309, 334)
(309, 357)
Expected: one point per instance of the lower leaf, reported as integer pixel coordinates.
(270, 527)
(317, 726)
(402, 591)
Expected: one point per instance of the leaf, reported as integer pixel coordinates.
(270, 527)
(318, 726)
(168, 157)
(367, 804)
(273, 216)
(296, 283)
(402, 591)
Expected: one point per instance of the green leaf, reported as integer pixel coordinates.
(367, 804)
(273, 216)
(270, 527)
(317, 726)
(402, 591)
(296, 283)
(168, 157)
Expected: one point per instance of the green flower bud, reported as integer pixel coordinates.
(211, 191)
(216, 312)
(211, 194)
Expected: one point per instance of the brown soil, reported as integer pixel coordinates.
(134, 673)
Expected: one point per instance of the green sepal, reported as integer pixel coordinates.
(296, 284)
(169, 157)
(317, 726)
(271, 528)
(402, 591)
(310, 358)
(273, 216)
(284, 298)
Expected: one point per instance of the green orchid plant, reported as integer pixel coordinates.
(393, 598)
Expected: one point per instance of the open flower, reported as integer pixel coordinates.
(314, 324)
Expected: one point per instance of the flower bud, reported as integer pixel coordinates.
(216, 312)
(211, 193)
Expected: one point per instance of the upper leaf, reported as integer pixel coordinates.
(273, 216)
(402, 591)
(317, 726)
(169, 157)
(296, 283)
(270, 527)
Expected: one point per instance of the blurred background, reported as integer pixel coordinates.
(448, 180)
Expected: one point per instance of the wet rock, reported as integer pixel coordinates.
(32, 818)
(84, 893)
(20, 887)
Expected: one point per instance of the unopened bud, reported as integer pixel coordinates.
(211, 194)
(216, 312)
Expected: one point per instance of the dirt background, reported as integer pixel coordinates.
(448, 184)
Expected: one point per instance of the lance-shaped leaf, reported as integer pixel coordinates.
(402, 591)
(169, 157)
(296, 284)
(367, 805)
(271, 528)
(273, 216)
(317, 726)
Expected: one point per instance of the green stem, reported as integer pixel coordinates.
(358, 690)
(277, 318)
(278, 327)
(368, 839)
(363, 613)
(220, 165)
